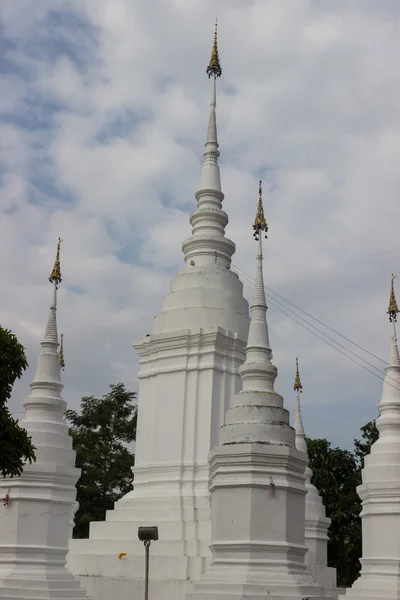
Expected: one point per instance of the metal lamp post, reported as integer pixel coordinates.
(147, 535)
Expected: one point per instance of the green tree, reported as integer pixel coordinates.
(369, 435)
(16, 447)
(336, 476)
(100, 434)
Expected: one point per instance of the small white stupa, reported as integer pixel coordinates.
(317, 523)
(35, 521)
(188, 376)
(257, 482)
(380, 490)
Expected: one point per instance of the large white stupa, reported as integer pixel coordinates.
(36, 516)
(380, 490)
(188, 376)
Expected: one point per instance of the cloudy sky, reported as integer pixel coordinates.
(104, 109)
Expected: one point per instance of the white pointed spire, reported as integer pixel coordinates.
(51, 334)
(316, 522)
(390, 402)
(258, 372)
(208, 221)
(301, 443)
(48, 368)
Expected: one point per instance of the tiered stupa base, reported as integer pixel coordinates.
(256, 552)
(255, 584)
(46, 586)
(180, 555)
(381, 583)
(326, 577)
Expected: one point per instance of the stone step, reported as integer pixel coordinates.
(168, 530)
(135, 548)
(9, 592)
(139, 502)
(32, 583)
(253, 590)
(153, 515)
(131, 566)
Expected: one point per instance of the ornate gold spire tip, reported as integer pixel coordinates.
(297, 383)
(393, 308)
(55, 275)
(62, 361)
(260, 224)
(214, 67)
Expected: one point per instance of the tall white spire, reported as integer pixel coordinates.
(46, 386)
(51, 335)
(380, 488)
(389, 406)
(258, 372)
(316, 521)
(209, 220)
(301, 443)
(48, 368)
(210, 175)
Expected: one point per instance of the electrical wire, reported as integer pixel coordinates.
(273, 302)
(316, 328)
(315, 319)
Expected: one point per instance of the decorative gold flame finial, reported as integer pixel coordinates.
(56, 272)
(62, 361)
(393, 308)
(297, 383)
(260, 224)
(214, 67)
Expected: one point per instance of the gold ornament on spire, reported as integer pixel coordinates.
(214, 67)
(297, 383)
(56, 272)
(393, 308)
(260, 224)
(62, 361)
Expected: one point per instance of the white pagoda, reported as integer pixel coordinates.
(188, 377)
(380, 490)
(36, 517)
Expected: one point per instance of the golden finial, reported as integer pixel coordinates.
(56, 272)
(260, 224)
(393, 308)
(62, 361)
(297, 383)
(214, 67)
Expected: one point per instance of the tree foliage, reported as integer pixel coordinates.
(369, 435)
(16, 447)
(336, 475)
(100, 434)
